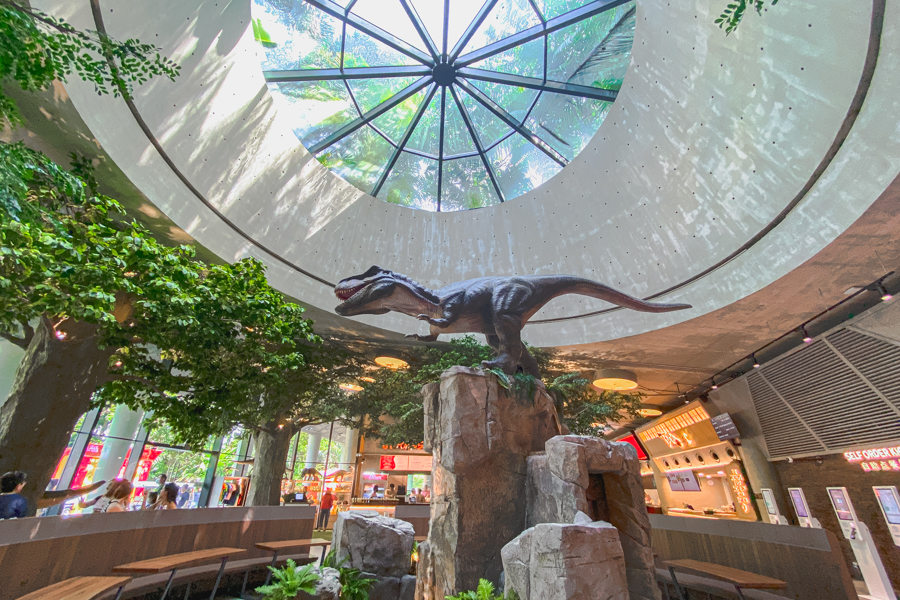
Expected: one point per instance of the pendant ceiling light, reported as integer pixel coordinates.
(615, 379)
(391, 362)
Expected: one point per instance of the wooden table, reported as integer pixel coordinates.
(79, 588)
(276, 547)
(739, 579)
(174, 562)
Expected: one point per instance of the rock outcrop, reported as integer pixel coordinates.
(480, 436)
(601, 479)
(374, 544)
(555, 561)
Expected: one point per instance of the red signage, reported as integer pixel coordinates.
(630, 439)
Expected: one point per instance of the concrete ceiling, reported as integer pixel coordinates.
(754, 174)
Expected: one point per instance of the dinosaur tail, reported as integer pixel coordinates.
(586, 287)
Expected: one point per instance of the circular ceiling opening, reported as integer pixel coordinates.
(445, 106)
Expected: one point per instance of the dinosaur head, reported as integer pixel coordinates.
(363, 294)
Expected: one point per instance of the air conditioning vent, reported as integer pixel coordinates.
(813, 401)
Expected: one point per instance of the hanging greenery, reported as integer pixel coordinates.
(734, 12)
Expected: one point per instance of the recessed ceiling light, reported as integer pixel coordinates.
(615, 379)
(390, 362)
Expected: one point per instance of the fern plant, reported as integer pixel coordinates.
(353, 586)
(734, 12)
(521, 386)
(288, 581)
(485, 591)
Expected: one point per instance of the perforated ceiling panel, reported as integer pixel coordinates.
(827, 397)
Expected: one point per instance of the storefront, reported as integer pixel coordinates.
(648, 481)
(407, 469)
(696, 465)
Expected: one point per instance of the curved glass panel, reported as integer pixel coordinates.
(440, 105)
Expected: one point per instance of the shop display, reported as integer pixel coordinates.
(702, 475)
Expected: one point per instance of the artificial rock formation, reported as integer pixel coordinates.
(480, 437)
(555, 561)
(374, 544)
(601, 479)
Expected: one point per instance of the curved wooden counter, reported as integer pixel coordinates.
(37, 552)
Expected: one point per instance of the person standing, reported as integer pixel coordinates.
(390, 493)
(13, 504)
(325, 510)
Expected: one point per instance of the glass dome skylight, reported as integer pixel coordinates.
(442, 105)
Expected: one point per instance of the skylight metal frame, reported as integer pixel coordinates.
(466, 76)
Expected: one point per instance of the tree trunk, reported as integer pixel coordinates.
(269, 458)
(52, 389)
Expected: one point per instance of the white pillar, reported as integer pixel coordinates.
(122, 431)
(348, 456)
(314, 440)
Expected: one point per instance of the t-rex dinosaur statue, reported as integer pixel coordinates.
(498, 307)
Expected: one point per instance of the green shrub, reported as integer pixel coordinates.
(288, 581)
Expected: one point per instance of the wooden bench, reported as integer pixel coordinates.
(276, 547)
(79, 588)
(741, 580)
(174, 562)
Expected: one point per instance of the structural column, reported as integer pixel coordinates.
(348, 456)
(122, 432)
(312, 449)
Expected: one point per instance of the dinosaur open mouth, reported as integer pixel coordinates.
(346, 294)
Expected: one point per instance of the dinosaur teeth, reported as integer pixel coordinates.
(346, 294)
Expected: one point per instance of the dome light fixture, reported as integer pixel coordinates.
(391, 362)
(615, 379)
(350, 387)
(649, 411)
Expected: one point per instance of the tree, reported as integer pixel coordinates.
(299, 398)
(394, 406)
(36, 49)
(100, 306)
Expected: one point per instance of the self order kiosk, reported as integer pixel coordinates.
(798, 499)
(775, 516)
(889, 501)
(864, 550)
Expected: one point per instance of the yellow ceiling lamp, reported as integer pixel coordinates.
(367, 379)
(648, 412)
(615, 380)
(390, 362)
(350, 387)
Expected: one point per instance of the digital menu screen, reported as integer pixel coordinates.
(841, 506)
(683, 481)
(888, 501)
(799, 504)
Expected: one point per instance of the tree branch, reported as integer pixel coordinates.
(137, 378)
(39, 16)
(20, 342)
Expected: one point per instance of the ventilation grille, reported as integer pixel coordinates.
(814, 402)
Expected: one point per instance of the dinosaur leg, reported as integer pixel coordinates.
(528, 363)
(493, 341)
(509, 348)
